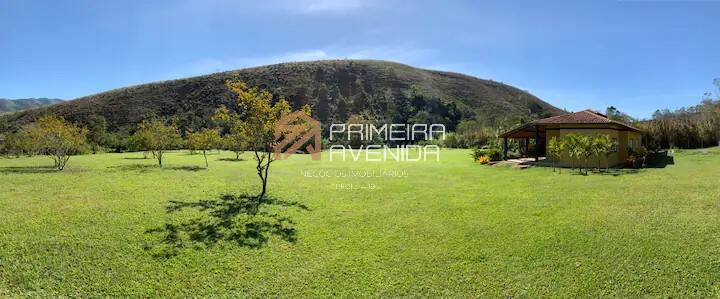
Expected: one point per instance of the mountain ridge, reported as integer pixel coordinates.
(14, 105)
(337, 89)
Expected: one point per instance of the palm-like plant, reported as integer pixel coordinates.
(613, 144)
(572, 144)
(555, 148)
(601, 147)
(585, 150)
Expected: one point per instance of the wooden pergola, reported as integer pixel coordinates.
(526, 132)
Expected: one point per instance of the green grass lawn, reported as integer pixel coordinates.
(113, 224)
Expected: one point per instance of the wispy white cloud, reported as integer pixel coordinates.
(322, 6)
(404, 54)
(408, 55)
(213, 65)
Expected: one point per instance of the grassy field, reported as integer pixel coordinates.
(114, 224)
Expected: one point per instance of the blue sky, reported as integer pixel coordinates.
(636, 55)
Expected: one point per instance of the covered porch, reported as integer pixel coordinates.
(524, 134)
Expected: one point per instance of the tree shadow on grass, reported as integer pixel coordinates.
(150, 167)
(239, 220)
(135, 167)
(28, 169)
(616, 171)
(231, 159)
(657, 160)
(185, 168)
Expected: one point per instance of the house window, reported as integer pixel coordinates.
(614, 147)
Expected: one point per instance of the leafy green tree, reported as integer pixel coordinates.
(451, 140)
(687, 127)
(205, 140)
(97, 132)
(601, 148)
(120, 141)
(585, 144)
(18, 144)
(157, 137)
(474, 133)
(580, 148)
(572, 144)
(53, 136)
(555, 148)
(234, 139)
(257, 122)
(355, 140)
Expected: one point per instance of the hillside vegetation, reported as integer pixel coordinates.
(338, 89)
(7, 105)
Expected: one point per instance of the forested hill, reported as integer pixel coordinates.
(337, 89)
(7, 105)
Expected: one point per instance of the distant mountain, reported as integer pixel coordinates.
(337, 89)
(7, 105)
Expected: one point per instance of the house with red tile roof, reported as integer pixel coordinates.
(587, 122)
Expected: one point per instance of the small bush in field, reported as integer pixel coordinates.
(476, 154)
(484, 160)
(494, 154)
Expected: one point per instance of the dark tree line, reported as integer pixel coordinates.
(692, 127)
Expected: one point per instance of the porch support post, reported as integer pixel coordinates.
(505, 148)
(527, 147)
(537, 143)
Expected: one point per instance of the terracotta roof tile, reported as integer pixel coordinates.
(583, 117)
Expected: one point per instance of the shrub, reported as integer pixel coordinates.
(494, 154)
(476, 154)
(483, 160)
(452, 140)
(554, 149)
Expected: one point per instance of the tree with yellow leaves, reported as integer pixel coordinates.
(53, 136)
(157, 137)
(257, 121)
(205, 140)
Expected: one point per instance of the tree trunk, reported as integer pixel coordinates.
(267, 169)
(206, 163)
(264, 181)
(587, 161)
(159, 155)
(587, 165)
(60, 161)
(262, 171)
(607, 163)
